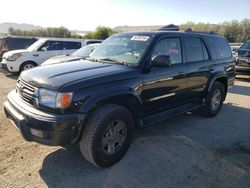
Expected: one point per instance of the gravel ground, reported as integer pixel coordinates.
(187, 151)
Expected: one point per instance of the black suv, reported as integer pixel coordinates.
(131, 80)
(14, 43)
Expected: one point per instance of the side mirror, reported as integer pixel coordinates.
(161, 61)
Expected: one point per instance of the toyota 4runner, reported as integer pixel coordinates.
(132, 80)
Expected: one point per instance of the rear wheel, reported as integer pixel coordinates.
(27, 65)
(107, 135)
(214, 99)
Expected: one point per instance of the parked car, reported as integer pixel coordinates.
(132, 80)
(234, 47)
(14, 42)
(40, 51)
(79, 54)
(243, 61)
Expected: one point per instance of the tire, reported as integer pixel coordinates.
(27, 65)
(99, 143)
(214, 99)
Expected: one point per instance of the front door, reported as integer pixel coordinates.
(164, 87)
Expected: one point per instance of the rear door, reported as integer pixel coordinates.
(199, 65)
(164, 87)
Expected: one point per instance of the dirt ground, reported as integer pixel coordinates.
(187, 151)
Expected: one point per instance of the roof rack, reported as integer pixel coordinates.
(202, 32)
(170, 27)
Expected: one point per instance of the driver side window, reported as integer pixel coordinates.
(170, 47)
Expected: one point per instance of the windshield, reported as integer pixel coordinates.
(122, 48)
(36, 45)
(85, 51)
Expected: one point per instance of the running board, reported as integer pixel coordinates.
(162, 116)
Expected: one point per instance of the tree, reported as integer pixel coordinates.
(100, 33)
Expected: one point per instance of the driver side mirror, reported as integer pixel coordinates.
(161, 61)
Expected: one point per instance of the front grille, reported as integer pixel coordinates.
(27, 92)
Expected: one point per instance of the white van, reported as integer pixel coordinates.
(40, 51)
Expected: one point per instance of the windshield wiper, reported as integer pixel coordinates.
(112, 60)
(91, 59)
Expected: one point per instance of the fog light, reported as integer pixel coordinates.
(36, 133)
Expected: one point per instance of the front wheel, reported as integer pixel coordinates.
(27, 65)
(214, 99)
(107, 135)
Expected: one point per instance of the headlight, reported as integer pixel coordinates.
(54, 99)
(14, 57)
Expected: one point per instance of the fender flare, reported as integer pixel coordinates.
(96, 100)
(214, 78)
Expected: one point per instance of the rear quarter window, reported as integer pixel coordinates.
(220, 47)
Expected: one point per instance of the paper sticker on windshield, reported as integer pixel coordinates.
(140, 38)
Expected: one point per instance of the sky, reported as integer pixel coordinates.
(88, 14)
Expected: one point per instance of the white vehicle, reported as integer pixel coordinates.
(40, 51)
(83, 52)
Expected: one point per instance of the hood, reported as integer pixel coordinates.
(9, 53)
(60, 59)
(80, 73)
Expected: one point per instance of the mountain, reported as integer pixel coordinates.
(5, 26)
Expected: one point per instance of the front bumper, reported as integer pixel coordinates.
(42, 127)
(10, 66)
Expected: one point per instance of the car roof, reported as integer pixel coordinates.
(159, 33)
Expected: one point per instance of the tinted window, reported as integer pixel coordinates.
(246, 45)
(71, 45)
(171, 47)
(52, 46)
(19, 43)
(194, 49)
(93, 42)
(221, 47)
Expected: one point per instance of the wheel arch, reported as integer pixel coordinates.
(222, 78)
(31, 61)
(127, 100)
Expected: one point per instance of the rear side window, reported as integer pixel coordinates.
(71, 45)
(195, 50)
(221, 47)
(171, 47)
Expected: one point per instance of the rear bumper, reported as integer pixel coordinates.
(42, 127)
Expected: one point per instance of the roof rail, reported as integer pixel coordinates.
(170, 27)
(202, 32)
